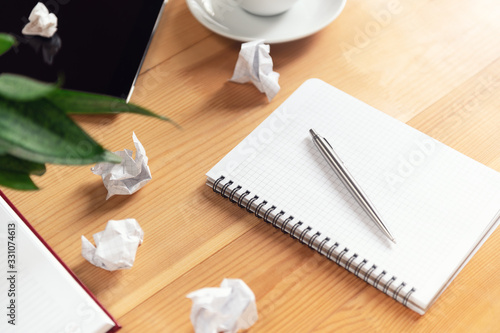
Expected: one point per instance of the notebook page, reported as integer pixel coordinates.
(437, 203)
(47, 298)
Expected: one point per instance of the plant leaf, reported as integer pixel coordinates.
(16, 180)
(6, 42)
(14, 172)
(21, 88)
(40, 132)
(14, 164)
(76, 102)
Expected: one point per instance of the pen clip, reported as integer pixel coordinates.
(327, 142)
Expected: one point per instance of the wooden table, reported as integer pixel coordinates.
(432, 64)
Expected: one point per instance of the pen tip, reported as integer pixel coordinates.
(313, 132)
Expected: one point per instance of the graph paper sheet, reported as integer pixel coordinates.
(439, 204)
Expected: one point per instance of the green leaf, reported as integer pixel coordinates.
(76, 102)
(6, 42)
(16, 180)
(40, 132)
(14, 172)
(21, 88)
(11, 163)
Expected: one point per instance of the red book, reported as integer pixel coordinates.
(42, 294)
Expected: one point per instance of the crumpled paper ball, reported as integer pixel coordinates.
(41, 22)
(127, 177)
(255, 65)
(116, 246)
(229, 308)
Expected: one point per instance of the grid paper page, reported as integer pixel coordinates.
(438, 203)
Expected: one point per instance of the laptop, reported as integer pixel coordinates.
(99, 45)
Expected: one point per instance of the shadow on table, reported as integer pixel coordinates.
(97, 119)
(96, 198)
(102, 283)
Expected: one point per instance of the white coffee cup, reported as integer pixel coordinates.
(266, 7)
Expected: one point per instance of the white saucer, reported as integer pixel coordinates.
(226, 18)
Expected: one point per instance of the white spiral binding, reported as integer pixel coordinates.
(307, 236)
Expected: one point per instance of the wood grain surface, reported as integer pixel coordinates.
(432, 64)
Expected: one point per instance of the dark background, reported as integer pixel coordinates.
(101, 42)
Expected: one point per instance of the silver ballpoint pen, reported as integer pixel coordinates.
(345, 176)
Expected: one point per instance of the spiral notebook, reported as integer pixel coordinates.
(439, 204)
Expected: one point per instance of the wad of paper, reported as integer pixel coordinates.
(127, 177)
(255, 65)
(41, 22)
(116, 246)
(227, 309)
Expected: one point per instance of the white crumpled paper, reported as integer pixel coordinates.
(127, 177)
(41, 22)
(116, 246)
(255, 65)
(226, 309)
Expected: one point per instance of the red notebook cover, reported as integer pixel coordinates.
(117, 326)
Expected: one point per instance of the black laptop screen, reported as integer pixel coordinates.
(98, 47)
